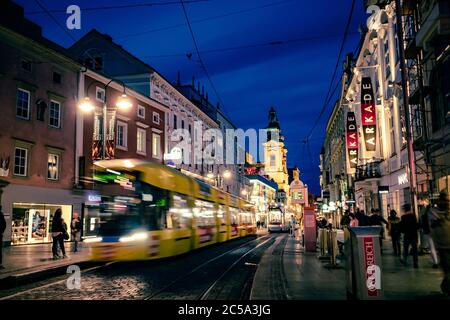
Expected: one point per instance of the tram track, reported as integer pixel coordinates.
(140, 280)
(185, 286)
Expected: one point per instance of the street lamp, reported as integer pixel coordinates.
(227, 174)
(122, 103)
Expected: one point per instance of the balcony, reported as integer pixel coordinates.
(369, 170)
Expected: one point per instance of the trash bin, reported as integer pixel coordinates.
(363, 263)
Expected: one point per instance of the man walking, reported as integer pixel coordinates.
(425, 227)
(2, 230)
(409, 227)
(75, 227)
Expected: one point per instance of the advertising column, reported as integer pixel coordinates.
(310, 229)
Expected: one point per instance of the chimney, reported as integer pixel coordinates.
(198, 87)
(203, 91)
(206, 97)
(178, 78)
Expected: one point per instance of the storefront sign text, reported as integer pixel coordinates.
(368, 114)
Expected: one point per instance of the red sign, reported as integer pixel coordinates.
(368, 114)
(352, 139)
(369, 260)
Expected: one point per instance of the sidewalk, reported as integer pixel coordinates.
(20, 261)
(294, 274)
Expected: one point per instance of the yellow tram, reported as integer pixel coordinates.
(152, 211)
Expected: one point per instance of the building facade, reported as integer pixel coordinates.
(38, 93)
(426, 39)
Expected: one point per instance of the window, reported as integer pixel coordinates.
(23, 104)
(175, 121)
(182, 124)
(156, 146)
(26, 65)
(20, 161)
(190, 129)
(55, 114)
(155, 117)
(57, 78)
(392, 131)
(272, 160)
(53, 167)
(122, 129)
(141, 112)
(141, 141)
(100, 94)
(386, 58)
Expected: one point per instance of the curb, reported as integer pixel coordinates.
(12, 281)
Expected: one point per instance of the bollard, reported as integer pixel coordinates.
(323, 243)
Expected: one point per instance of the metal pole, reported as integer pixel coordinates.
(411, 162)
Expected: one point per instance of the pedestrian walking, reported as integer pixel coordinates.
(2, 230)
(353, 221)
(345, 220)
(409, 227)
(75, 229)
(58, 231)
(425, 228)
(394, 231)
(362, 218)
(440, 231)
(376, 220)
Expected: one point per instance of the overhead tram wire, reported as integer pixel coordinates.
(55, 20)
(174, 26)
(202, 64)
(347, 26)
(125, 6)
(257, 45)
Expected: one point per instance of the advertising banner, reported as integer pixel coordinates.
(352, 139)
(368, 114)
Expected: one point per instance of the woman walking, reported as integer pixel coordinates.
(58, 231)
(394, 231)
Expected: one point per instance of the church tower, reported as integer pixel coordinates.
(275, 153)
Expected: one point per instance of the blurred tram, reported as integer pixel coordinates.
(276, 219)
(152, 211)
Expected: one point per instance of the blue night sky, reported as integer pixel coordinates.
(293, 76)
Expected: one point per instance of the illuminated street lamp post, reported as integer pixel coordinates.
(123, 103)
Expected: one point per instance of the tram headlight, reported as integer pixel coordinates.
(134, 237)
(93, 240)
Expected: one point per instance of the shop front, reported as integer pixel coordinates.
(31, 222)
(29, 212)
(399, 191)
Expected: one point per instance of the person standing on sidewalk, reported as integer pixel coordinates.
(409, 227)
(2, 230)
(376, 219)
(425, 228)
(394, 231)
(440, 231)
(75, 229)
(58, 235)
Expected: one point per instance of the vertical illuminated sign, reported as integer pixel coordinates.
(352, 139)
(368, 114)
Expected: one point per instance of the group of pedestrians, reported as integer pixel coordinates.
(433, 225)
(60, 233)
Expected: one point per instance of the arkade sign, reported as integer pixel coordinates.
(352, 139)
(368, 114)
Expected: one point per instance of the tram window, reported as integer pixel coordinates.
(179, 214)
(204, 213)
(221, 214)
(234, 212)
